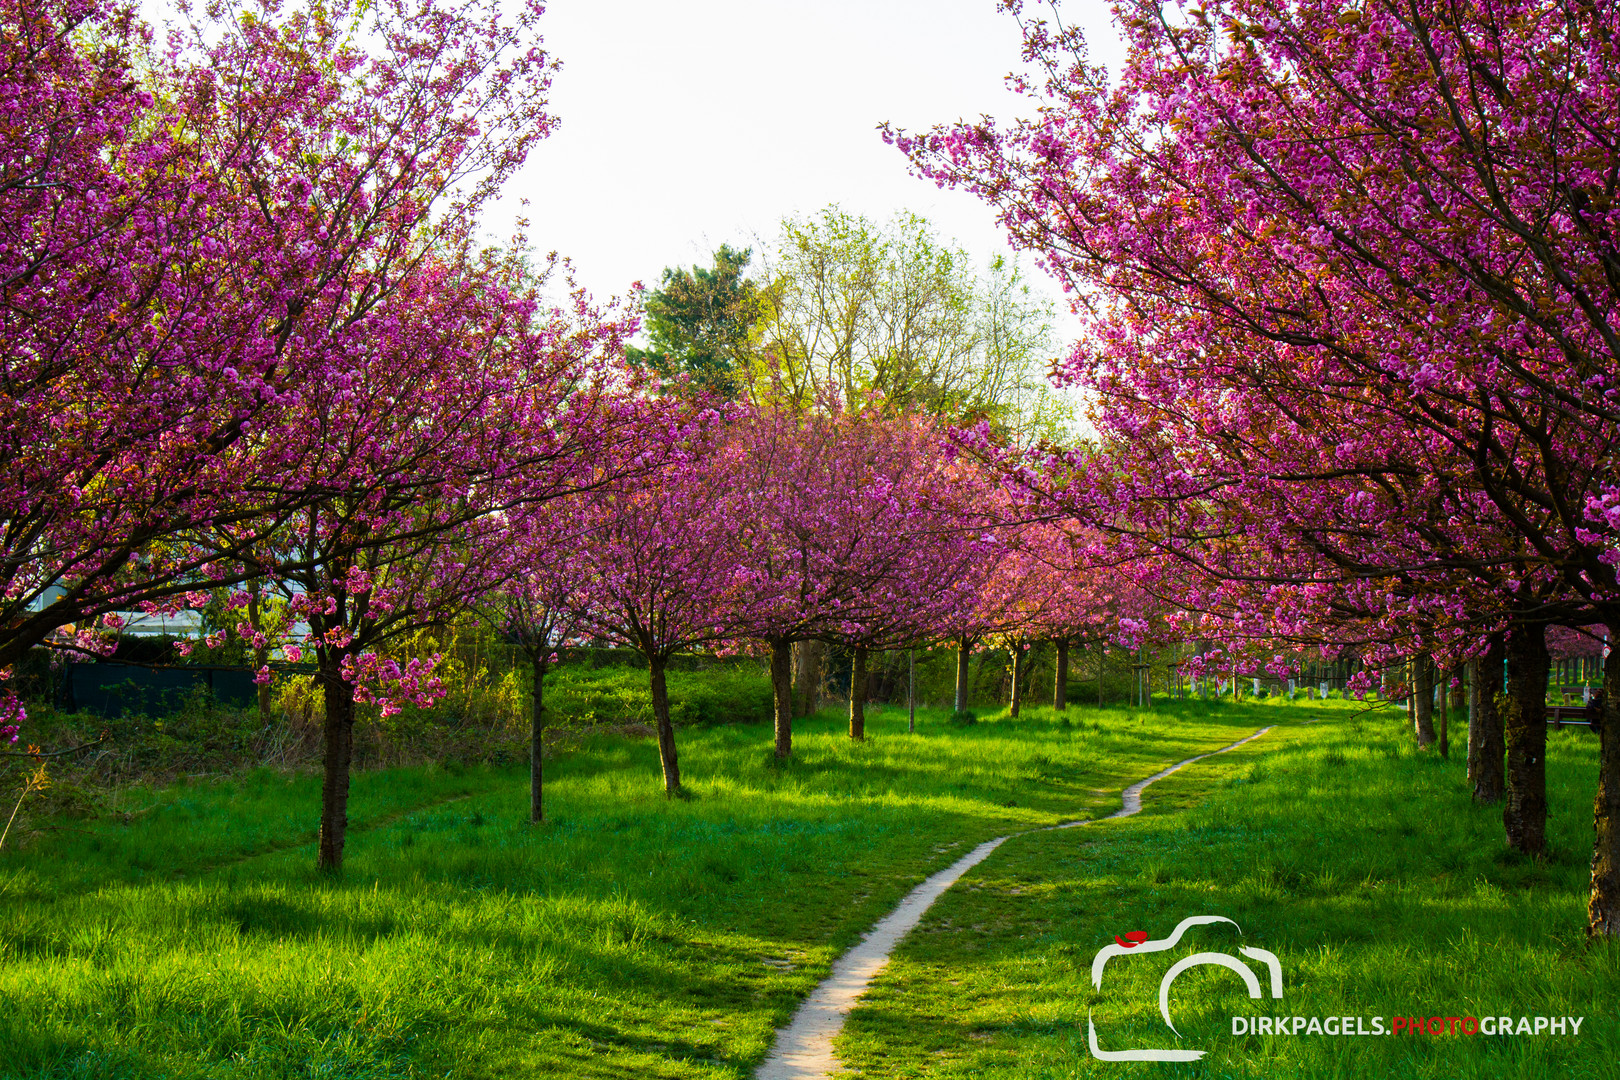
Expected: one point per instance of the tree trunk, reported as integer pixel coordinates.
(1485, 740)
(666, 731)
(1524, 813)
(1060, 684)
(1019, 662)
(1102, 655)
(1445, 716)
(911, 693)
(964, 651)
(807, 674)
(857, 694)
(1423, 699)
(1473, 720)
(1603, 909)
(782, 693)
(537, 731)
(338, 695)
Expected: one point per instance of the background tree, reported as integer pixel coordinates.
(853, 525)
(858, 309)
(700, 323)
(539, 608)
(660, 573)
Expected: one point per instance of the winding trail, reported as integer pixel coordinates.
(803, 1049)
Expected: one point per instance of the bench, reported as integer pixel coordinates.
(1559, 715)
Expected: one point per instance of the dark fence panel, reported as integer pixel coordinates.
(112, 689)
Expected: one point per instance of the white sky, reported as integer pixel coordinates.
(691, 123)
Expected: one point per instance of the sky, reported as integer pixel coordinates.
(691, 123)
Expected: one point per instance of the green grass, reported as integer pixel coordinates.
(183, 933)
(723, 693)
(1359, 860)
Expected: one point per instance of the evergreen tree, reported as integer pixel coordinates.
(700, 321)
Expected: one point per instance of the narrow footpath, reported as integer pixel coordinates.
(803, 1049)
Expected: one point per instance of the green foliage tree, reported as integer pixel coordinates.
(891, 310)
(700, 323)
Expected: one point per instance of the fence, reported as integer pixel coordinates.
(111, 688)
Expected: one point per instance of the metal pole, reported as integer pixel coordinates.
(911, 695)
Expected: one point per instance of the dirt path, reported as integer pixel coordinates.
(803, 1049)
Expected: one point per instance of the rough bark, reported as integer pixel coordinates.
(1524, 727)
(1060, 684)
(338, 695)
(782, 694)
(1423, 699)
(1603, 908)
(964, 652)
(1485, 740)
(537, 734)
(666, 730)
(1020, 661)
(857, 694)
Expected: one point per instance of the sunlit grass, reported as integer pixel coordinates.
(1356, 858)
(186, 934)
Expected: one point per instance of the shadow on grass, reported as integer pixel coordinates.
(629, 935)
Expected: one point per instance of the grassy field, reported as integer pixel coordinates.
(1357, 859)
(181, 932)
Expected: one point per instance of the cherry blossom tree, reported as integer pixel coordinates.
(660, 572)
(190, 238)
(540, 609)
(850, 521)
(473, 405)
(1074, 592)
(923, 539)
(1377, 238)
